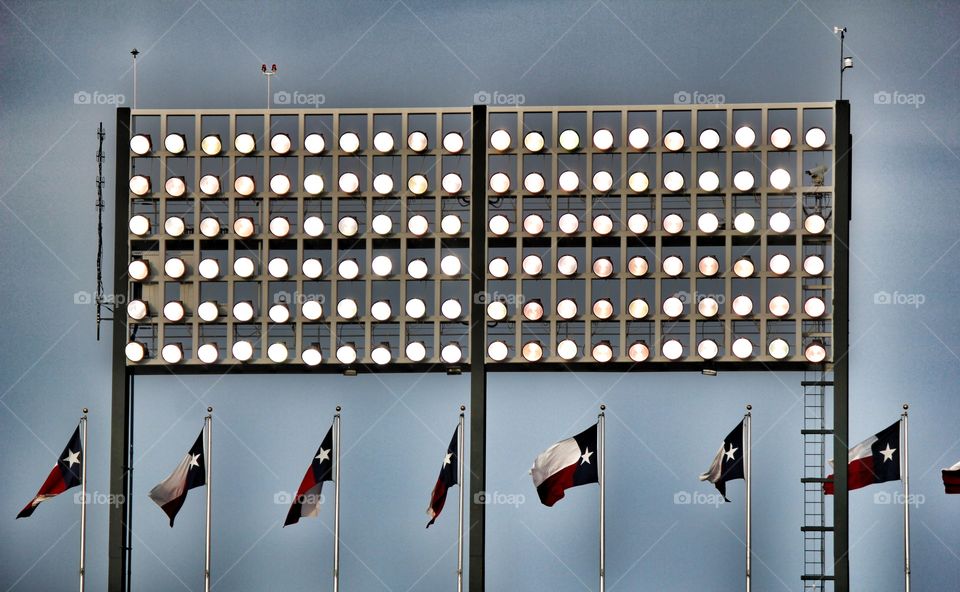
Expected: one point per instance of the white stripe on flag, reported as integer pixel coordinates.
(553, 459)
(173, 486)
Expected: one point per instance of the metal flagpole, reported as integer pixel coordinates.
(460, 511)
(748, 477)
(208, 461)
(336, 503)
(601, 474)
(905, 455)
(83, 499)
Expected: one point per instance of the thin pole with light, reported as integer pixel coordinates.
(846, 62)
(269, 74)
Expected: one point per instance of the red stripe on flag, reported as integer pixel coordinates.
(552, 488)
(859, 474)
(951, 481)
(54, 485)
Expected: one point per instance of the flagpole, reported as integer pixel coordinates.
(208, 462)
(602, 470)
(83, 499)
(460, 510)
(748, 477)
(905, 455)
(336, 503)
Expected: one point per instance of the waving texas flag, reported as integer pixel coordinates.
(875, 460)
(566, 464)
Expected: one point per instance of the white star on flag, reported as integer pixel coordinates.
(323, 456)
(195, 460)
(72, 458)
(729, 453)
(586, 456)
(888, 453)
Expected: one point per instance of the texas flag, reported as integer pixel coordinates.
(170, 493)
(447, 479)
(566, 464)
(951, 479)
(727, 465)
(875, 460)
(307, 502)
(65, 474)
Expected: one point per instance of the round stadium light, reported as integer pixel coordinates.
(381, 354)
(569, 140)
(418, 184)
(314, 143)
(280, 226)
(533, 141)
(673, 141)
(780, 138)
(381, 265)
(532, 265)
(349, 182)
(450, 265)
(638, 182)
(673, 181)
(175, 268)
(383, 142)
(208, 311)
(244, 185)
(347, 308)
(381, 310)
(135, 351)
(313, 184)
(173, 311)
(744, 267)
(780, 179)
(244, 227)
(815, 224)
(417, 268)
(382, 224)
(708, 181)
(242, 350)
(779, 222)
(533, 310)
(778, 349)
(602, 352)
(638, 266)
(312, 356)
(567, 308)
(744, 222)
(815, 138)
(209, 269)
(451, 309)
(603, 139)
(708, 222)
(534, 183)
(742, 305)
(418, 225)
(211, 145)
(175, 186)
(672, 349)
(708, 307)
(813, 265)
(673, 266)
(709, 139)
(500, 183)
(638, 138)
(603, 224)
(814, 307)
(415, 308)
(779, 306)
(672, 224)
(278, 353)
(347, 353)
(172, 353)
(243, 311)
(137, 309)
(245, 143)
(638, 223)
(567, 265)
(569, 223)
(417, 141)
(451, 353)
(708, 349)
(209, 185)
(416, 351)
(348, 269)
(602, 181)
(210, 227)
(139, 225)
(603, 308)
(638, 308)
(348, 226)
(567, 349)
(745, 136)
(451, 224)
(708, 265)
(603, 267)
(311, 310)
(140, 144)
(779, 264)
(815, 352)
(383, 184)
(498, 267)
(138, 270)
(279, 313)
(533, 224)
(742, 348)
(139, 185)
(208, 353)
(499, 225)
(673, 307)
(349, 142)
(452, 183)
(453, 143)
(313, 226)
(278, 267)
(175, 143)
(280, 143)
(744, 181)
(500, 140)
(498, 351)
(497, 310)
(639, 352)
(569, 181)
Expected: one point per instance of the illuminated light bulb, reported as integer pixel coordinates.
(349, 183)
(383, 142)
(172, 353)
(347, 308)
(533, 224)
(673, 307)
(451, 224)
(175, 186)
(452, 183)
(780, 179)
(243, 311)
(603, 267)
(567, 265)
(744, 180)
(708, 222)
(499, 225)
(779, 264)
(602, 181)
(638, 223)
(348, 269)
(139, 185)
(139, 225)
(498, 351)
(603, 224)
(381, 355)
(638, 182)
(603, 308)
(244, 185)
(638, 138)
(451, 353)
(744, 267)
(745, 136)
(814, 307)
(417, 141)
(383, 184)
(500, 140)
(742, 348)
(744, 222)
(569, 223)
(673, 224)
(815, 137)
(382, 224)
(453, 142)
(708, 307)
(569, 181)
(779, 306)
(138, 270)
(418, 225)
(210, 227)
(673, 181)
(208, 353)
(279, 226)
(450, 265)
(381, 310)
(673, 141)
(417, 184)
(312, 356)
(348, 226)
(313, 184)
(742, 305)
(567, 349)
(778, 349)
(244, 267)
(498, 267)
(313, 225)
(175, 267)
(311, 310)
(815, 224)
(242, 350)
(569, 140)
(140, 144)
(245, 143)
(175, 143)
(532, 351)
(639, 352)
(672, 349)
(638, 266)
(349, 142)
(532, 265)
(497, 310)
(347, 354)
(779, 222)
(381, 265)
(533, 310)
(280, 143)
(314, 143)
(279, 313)
(567, 308)
(534, 183)
(416, 351)
(709, 139)
(173, 311)
(813, 265)
(708, 181)
(415, 308)
(451, 309)
(780, 138)
(673, 266)
(209, 269)
(815, 352)
(137, 309)
(603, 139)
(211, 145)
(135, 351)
(533, 141)
(708, 266)
(602, 352)
(708, 349)
(500, 183)
(417, 269)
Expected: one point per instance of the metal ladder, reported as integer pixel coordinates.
(816, 439)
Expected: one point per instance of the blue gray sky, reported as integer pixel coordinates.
(663, 429)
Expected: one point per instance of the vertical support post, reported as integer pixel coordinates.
(121, 406)
(748, 477)
(478, 370)
(905, 456)
(208, 463)
(460, 464)
(83, 499)
(602, 477)
(841, 344)
(336, 503)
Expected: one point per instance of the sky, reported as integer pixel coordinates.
(663, 429)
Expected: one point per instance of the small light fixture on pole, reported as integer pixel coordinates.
(269, 74)
(134, 52)
(846, 62)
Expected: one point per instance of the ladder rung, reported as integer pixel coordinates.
(821, 578)
(816, 529)
(816, 480)
(816, 383)
(822, 432)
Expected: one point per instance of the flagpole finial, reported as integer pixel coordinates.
(906, 406)
(603, 407)
(463, 408)
(209, 409)
(85, 410)
(749, 406)
(338, 408)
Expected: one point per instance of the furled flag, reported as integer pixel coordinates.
(170, 493)
(875, 460)
(727, 465)
(566, 464)
(951, 479)
(446, 480)
(307, 502)
(65, 474)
